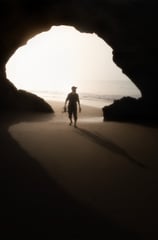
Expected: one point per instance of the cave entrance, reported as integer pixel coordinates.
(53, 61)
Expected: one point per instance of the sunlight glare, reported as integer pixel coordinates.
(62, 57)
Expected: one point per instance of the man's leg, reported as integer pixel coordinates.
(70, 117)
(75, 118)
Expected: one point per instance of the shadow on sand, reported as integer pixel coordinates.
(35, 205)
(109, 145)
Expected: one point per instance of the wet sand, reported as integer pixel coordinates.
(99, 178)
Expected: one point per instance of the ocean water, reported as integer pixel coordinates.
(89, 99)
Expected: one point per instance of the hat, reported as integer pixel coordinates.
(73, 87)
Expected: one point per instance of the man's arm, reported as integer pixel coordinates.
(78, 100)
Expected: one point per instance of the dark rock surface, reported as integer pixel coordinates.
(128, 26)
(30, 102)
(14, 100)
(131, 110)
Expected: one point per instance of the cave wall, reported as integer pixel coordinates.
(128, 26)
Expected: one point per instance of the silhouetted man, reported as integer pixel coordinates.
(73, 99)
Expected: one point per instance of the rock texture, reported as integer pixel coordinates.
(21, 101)
(128, 26)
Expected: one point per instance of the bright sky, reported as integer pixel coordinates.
(62, 57)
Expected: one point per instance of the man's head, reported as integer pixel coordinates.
(74, 88)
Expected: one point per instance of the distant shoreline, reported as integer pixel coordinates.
(89, 99)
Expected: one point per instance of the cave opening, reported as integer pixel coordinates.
(51, 62)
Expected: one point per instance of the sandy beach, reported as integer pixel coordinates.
(101, 175)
